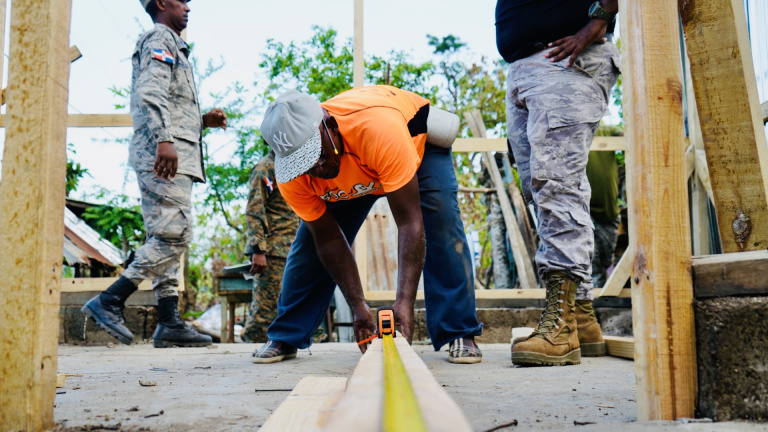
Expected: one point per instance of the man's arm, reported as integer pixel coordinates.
(591, 33)
(336, 256)
(406, 209)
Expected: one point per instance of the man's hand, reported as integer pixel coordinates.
(404, 319)
(574, 45)
(258, 264)
(363, 325)
(166, 160)
(215, 118)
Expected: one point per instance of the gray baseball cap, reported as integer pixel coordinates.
(145, 3)
(291, 126)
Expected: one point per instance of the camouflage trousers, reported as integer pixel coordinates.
(606, 234)
(552, 113)
(263, 310)
(167, 211)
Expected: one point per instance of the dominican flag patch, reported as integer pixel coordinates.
(269, 183)
(162, 55)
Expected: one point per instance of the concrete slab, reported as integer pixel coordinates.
(216, 389)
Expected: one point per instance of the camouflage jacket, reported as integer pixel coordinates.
(272, 224)
(164, 104)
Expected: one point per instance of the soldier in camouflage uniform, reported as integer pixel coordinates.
(272, 226)
(558, 84)
(166, 154)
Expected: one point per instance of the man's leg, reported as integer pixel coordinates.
(307, 287)
(449, 289)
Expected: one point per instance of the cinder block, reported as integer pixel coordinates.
(732, 354)
(71, 326)
(615, 321)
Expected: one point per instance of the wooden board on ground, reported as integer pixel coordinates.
(361, 408)
(308, 406)
(618, 346)
(731, 274)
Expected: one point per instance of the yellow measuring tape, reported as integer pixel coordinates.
(401, 410)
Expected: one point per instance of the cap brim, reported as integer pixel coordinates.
(300, 161)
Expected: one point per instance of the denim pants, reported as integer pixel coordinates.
(449, 292)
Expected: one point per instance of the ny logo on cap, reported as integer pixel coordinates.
(282, 142)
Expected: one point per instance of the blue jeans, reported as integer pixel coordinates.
(449, 293)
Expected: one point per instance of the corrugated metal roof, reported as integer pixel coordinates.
(83, 243)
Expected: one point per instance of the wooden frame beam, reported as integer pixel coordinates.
(493, 294)
(32, 220)
(737, 274)
(659, 228)
(731, 123)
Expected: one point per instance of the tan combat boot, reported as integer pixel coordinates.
(555, 340)
(590, 334)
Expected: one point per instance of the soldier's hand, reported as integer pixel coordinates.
(215, 118)
(258, 264)
(363, 325)
(574, 45)
(166, 160)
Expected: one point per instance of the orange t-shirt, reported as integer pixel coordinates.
(380, 155)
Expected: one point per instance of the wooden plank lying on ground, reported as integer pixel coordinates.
(308, 406)
(360, 409)
(618, 346)
(732, 274)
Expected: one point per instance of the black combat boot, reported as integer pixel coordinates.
(172, 331)
(106, 309)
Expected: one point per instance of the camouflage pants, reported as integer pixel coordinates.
(606, 234)
(552, 114)
(166, 208)
(263, 310)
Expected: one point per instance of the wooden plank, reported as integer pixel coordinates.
(659, 227)
(526, 274)
(701, 190)
(358, 65)
(95, 284)
(731, 274)
(619, 276)
(360, 409)
(470, 145)
(617, 346)
(731, 121)
(608, 143)
(32, 217)
(490, 294)
(93, 120)
(307, 407)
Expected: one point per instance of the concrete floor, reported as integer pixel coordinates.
(219, 389)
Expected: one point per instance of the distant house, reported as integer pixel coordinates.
(86, 253)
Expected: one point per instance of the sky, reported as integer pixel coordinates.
(236, 31)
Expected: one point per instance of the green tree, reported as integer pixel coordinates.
(75, 171)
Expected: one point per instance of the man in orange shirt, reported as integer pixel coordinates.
(333, 161)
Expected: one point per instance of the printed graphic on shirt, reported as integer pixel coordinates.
(359, 190)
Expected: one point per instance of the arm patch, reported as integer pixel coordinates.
(162, 55)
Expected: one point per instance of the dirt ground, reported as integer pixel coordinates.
(219, 389)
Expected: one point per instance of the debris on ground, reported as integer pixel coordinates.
(147, 383)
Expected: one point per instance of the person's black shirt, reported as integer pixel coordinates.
(523, 26)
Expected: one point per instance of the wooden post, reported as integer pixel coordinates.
(32, 217)
(731, 121)
(662, 291)
(358, 66)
